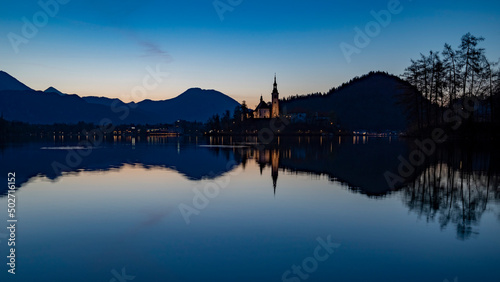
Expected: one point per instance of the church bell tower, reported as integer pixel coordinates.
(275, 110)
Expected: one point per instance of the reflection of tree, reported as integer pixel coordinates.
(454, 186)
(456, 191)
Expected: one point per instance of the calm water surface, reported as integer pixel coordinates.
(302, 209)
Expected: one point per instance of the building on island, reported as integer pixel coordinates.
(269, 110)
(263, 110)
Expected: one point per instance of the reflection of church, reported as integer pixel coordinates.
(268, 110)
(269, 157)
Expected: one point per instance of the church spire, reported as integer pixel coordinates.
(275, 110)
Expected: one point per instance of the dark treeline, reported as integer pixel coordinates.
(447, 79)
(16, 129)
(8, 128)
(242, 122)
(305, 96)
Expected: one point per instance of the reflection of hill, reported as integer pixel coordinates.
(456, 185)
(29, 160)
(359, 166)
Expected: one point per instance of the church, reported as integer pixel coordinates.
(269, 110)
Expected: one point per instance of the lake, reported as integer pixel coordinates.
(231, 209)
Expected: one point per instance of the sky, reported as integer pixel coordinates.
(113, 48)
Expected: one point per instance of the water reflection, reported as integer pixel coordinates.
(455, 186)
(53, 159)
(358, 166)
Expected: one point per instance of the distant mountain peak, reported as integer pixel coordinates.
(195, 104)
(195, 90)
(200, 91)
(53, 90)
(8, 82)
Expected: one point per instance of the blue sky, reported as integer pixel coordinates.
(103, 48)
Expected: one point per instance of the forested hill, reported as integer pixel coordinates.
(370, 102)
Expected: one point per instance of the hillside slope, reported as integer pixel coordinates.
(8, 82)
(367, 103)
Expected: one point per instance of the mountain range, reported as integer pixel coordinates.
(7, 82)
(20, 103)
(371, 102)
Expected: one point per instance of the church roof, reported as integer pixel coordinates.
(263, 105)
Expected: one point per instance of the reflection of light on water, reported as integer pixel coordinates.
(133, 143)
(224, 146)
(178, 147)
